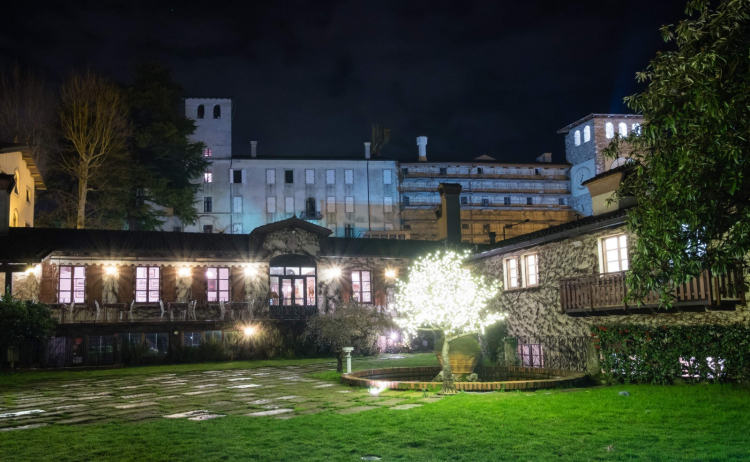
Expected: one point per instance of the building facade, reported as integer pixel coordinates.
(241, 191)
(16, 160)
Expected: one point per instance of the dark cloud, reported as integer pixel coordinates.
(310, 78)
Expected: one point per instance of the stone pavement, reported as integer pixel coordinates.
(282, 393)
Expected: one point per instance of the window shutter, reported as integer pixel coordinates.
(378, 287)
(244, 176)
(331, 205)
(48, 289)
(199, 285)
(346, 286)
(94, 286)
(231, 175)
(238, 284)
(125, 292)
(169, 291)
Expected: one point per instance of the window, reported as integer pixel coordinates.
(237, 176)
(512, 279)
(191, 339)
(361, 286)
(407, 227)
(349, 208)
(529, 201)
(289, 204)
(289, 176)
(348, 230)
(217, 112)
(207, 152)
(309, 176)
(506, 200)
(532, 270)
(147, 284)
(207, 205)
(387, 204)
(348, 176)
(130, 339)
(201, 111)
(208, 176)
(623, 127)
(270, 176)
(157, 343)
(237, 204)
(212, 335)
(480, 170)
(485, 228)
(530, 354)
(404, 170)
(330, 176)
(270, 205)
(485, 201)
(609, 130)
(28, 195)
(615, 253)
(577, 137)
(464, 200)
(208, 229)
(217, 284)
(406, 201)
(586, 134)
(72, 284)
(292, 285)
(311, 208)
(443, 171)
(176, 229)
(465, 226)
(387, 176)
(560, 201)
(331, 204)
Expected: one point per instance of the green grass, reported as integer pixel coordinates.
(682, 422)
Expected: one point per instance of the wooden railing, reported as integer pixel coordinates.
(601, 293)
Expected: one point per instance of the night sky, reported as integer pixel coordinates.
(310, 78)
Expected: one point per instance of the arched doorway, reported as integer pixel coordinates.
(292, 286)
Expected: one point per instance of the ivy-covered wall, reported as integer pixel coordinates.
(536, 311)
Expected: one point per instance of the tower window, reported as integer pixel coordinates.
(577, 137)
(586, 134)
(464, 200)
(217, 112)
(443, 171)
(201, 111)
(506, 200)
(623, 129)
(609, 130)
(288, 176)
(529, 201)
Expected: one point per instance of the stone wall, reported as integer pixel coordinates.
(537, 311)
(26, 285)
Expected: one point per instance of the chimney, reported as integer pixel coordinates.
(546, 157)
(6, 187)
(367, 149)
(253, 149)
(449, 213)
(422, 143)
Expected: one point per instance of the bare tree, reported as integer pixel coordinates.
(27, 112)
(94, 124)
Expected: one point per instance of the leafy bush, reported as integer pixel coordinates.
(24, 324)
(660, 355)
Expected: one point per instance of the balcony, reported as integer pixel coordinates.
(603, 294)
(310, 215)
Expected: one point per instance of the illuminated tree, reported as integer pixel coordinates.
(442, 295)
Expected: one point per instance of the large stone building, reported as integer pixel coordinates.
(241, 190)
(16, 160)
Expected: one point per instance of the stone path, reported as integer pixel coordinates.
(281, 393)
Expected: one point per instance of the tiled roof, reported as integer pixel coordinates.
(292, 222)
(22, 245)
(622, 168)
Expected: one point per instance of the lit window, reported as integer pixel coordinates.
(292, 286)
(217, 112)
(72, 284)
(586, 134)
(349, 204)
(310, 176)
(330, 176)
(511, 265)
(207, 152)
(208, 176)
(615, 251)
(201, 111)
(348, 176)
(636, 128)
(609, 130)
(532, 270)
(387, 176)
(270, 176)
(530, 354)
(191, 339)
(217, 283)
(577, 137)
(623, 127)
(361, 286)
(270, 205)
(147, 284)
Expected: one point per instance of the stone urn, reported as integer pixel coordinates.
(464, 353)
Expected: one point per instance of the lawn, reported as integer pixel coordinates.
(704, 422)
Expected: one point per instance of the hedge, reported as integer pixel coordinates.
(659, 355)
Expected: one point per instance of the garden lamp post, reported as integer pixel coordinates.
(348, 351)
